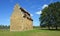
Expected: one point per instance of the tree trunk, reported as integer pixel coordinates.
(56, 27)
(49, 27)
(52, 27)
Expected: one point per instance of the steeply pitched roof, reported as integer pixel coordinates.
(26, 13)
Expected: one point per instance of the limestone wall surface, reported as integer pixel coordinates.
(18, 22)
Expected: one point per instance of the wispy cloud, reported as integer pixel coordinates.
(51, 1)
(11, 0)
(31, 14)
(45, 5)
(39, 12)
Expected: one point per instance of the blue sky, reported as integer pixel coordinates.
(34, 7)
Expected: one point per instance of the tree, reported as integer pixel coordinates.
(51, 15)
(4, 27)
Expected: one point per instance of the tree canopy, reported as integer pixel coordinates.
(51, 15)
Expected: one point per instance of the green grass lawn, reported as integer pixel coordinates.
(31, 33)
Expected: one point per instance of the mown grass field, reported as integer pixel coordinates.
(34, 32)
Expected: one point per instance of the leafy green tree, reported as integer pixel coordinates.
(51, 15)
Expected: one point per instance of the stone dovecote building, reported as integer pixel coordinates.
(20, 19)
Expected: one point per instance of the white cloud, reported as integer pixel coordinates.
(31, 14)
(39, 12)
(45, 5)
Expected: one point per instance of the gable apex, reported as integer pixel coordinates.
(17, 5)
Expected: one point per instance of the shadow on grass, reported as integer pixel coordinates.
(51, 29)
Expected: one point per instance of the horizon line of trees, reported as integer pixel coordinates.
(4, 26)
